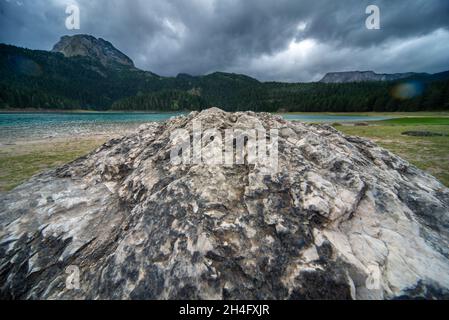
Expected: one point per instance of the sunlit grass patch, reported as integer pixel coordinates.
(417, 121)
(427, 153)
(20, 162)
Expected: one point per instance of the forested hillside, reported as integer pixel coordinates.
(167, 100)
(41, 79)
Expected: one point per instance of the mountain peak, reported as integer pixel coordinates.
(89, 46)
(362, 76)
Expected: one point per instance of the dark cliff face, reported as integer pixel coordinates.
(363, 76)
(89, 46)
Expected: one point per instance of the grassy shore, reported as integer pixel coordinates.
(19, 161)
(22, 160)
(429, 153)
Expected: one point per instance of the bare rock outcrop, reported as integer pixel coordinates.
(341, 219)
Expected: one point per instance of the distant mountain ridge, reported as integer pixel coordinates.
(83, 72)
(363, 76)
(89, 46)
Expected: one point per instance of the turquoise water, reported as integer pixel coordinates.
(16, 126)
(45, 125)
(31, 119)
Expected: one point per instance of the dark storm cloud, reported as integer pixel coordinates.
(344, 21)
(272, 40)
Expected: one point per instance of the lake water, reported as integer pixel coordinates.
(15, 126)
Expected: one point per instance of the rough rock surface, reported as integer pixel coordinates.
(341, 219)
(89, 46)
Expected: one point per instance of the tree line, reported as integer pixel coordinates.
(47, 80)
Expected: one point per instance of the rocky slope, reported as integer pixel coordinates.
(89, 46)
(341, 219)
(363, 76)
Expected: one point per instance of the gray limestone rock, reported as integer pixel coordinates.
(341, 219)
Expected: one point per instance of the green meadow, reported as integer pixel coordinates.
(429, 153)
(21, 161)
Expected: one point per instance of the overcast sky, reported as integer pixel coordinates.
(283, 40)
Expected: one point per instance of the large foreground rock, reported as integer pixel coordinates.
(342, 219)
